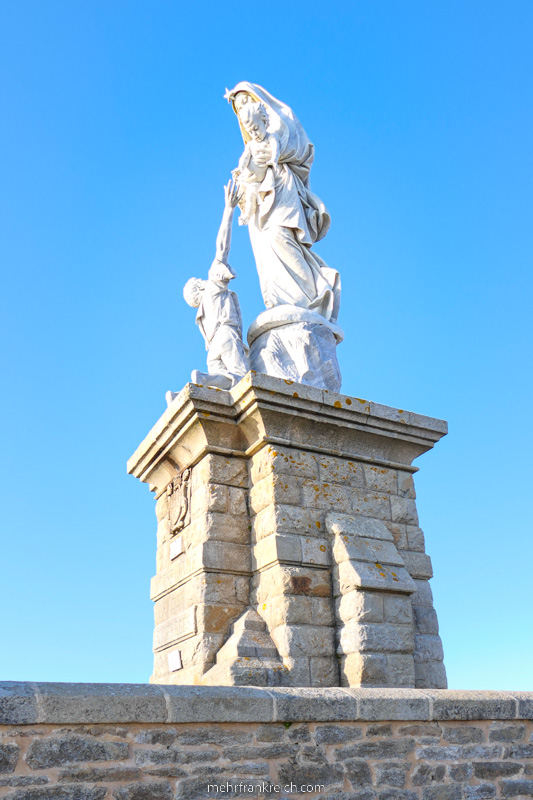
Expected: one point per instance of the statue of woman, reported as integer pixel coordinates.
(287, 218)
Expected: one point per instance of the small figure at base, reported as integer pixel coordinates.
(219, 315)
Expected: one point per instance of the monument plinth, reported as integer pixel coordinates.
(288, 545)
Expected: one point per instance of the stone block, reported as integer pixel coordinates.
(428, 648)
(397, 609)
(220, 703)
(301, 705)
(406, 486)
(283, 461)
(392, 704)
(460, 772)
(98, 774)
(9, 755)
(209, 497)
(74, 791)
(400, 670)
(380, 479)
(55, 751)
(351, 524)
(337, 734)
(341, 471)
(217, 617)
(363, 669)
(443, 791)
(237, 502)
(274, 489)
(220, 469)
(358, 772)
(418, 565)
(380, 749)
(18, 704)
(149, 790)
(360, 606)
(415, 538)
(423, 596)
(324, 671)
(471, 705)
(217, 526)
(364, 575)
(358, 548)
(496, 769)
(281, 518)
(371, 504)
(462, 734)
(324, 495)
(516, 788)
(376, 638)
(392, 773)
(506, 732)
(482, 791)
(403, 509)
(283, 580)
(298, 610)
(79, 703)
(304, 640)
(424, 774)
(425, 618)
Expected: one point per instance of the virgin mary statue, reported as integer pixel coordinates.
(288, 218)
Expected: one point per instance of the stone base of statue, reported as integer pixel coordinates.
(288, 546)
(298, 345)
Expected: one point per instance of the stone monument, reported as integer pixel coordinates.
(288, 546)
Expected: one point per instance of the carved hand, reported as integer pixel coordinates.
(231, 193)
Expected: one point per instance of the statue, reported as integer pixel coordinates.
(296, 337)
(289, 218)
(219, 315)
(253, 171)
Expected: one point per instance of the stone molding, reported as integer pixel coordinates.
(238, 422)
(25, 703)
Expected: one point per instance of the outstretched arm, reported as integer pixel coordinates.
(231, 196)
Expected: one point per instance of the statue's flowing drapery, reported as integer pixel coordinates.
(290, 219)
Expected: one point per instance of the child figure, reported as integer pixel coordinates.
(219, 315)
(220, 322)
(261, 152)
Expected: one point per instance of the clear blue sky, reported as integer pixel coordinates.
(114, 146)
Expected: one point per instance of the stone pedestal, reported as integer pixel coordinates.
(289, 551)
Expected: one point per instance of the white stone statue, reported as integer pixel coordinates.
(219, 315)
(297, 336)
(255, 174)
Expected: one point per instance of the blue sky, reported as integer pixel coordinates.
(114, 147)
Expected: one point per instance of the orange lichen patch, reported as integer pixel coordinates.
(378, 566)
(361, 401)
(382, 573)
(322, 548)
(337, 404)
(348, 401)
(288, 382)
(318, 525)
(295, 394)
(206, 413)
(400, 411)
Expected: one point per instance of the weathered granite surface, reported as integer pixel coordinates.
(137, 742)
(289, 550)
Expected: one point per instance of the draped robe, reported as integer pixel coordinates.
(289, 218)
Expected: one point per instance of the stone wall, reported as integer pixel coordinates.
(146, 742)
